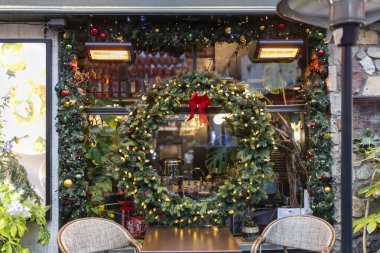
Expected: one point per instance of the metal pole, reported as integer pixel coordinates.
(346, 156)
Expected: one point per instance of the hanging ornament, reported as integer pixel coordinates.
(320, 52)
(102, 36)
(309, 155)
(65, 36)
(129, 20)
(78, 156)
(327, 189)
(308, 30)
(262, 28)
(243, 39)
(119, 39)
(190, 36)
(231, 38)
(228, 30)
(157, 29)
(319, 36)
(231, 212)
(67, 183)
(142, 19)
(73, 63)
(94, 31)
(324, 178)
(78, 176)
(312, 125)
(281, 26)
(68, 47)
(65, 93)
(67, 104)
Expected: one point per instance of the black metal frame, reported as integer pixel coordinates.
(48, 94)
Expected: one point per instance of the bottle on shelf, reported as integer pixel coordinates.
(106, 85)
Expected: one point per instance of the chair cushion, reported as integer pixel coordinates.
(93, 235)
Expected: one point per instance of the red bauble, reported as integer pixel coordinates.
(324, 179)
(94, 31)
(309, 155)
(102, 36)
(281, 26)
(321, 52)
(78, 156)
(73, 65)
(136, 226)
(312, 124)
(65, 93)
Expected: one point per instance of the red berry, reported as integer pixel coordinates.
(281, 26)
(312, 124)
(102, 36)
(309, 155)
(78, 156)
(65, 93)
(321, 52)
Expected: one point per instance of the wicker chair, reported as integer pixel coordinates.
(94, 235)
(298, 231)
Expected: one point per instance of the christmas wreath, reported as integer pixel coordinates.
(250, 122)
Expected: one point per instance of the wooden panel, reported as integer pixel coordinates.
(189, 239)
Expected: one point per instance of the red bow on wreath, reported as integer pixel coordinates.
(202, 102)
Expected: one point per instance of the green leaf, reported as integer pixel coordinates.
(358, 227)
(371, 227)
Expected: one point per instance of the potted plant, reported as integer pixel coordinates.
(250, 229)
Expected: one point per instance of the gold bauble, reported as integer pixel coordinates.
(231, 212)
(102, 208)
(262, 28)
(243, 39)
(67, 104)
(228, 30)
(308, 30)
(119, 39)
(157, 30)
(65, 36)
(327, 189)
(68, 183)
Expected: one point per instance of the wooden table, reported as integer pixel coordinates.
(189, 239)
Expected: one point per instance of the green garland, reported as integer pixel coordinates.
(72, 128)
(250, 122)
(175, 37)
(318, 158)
